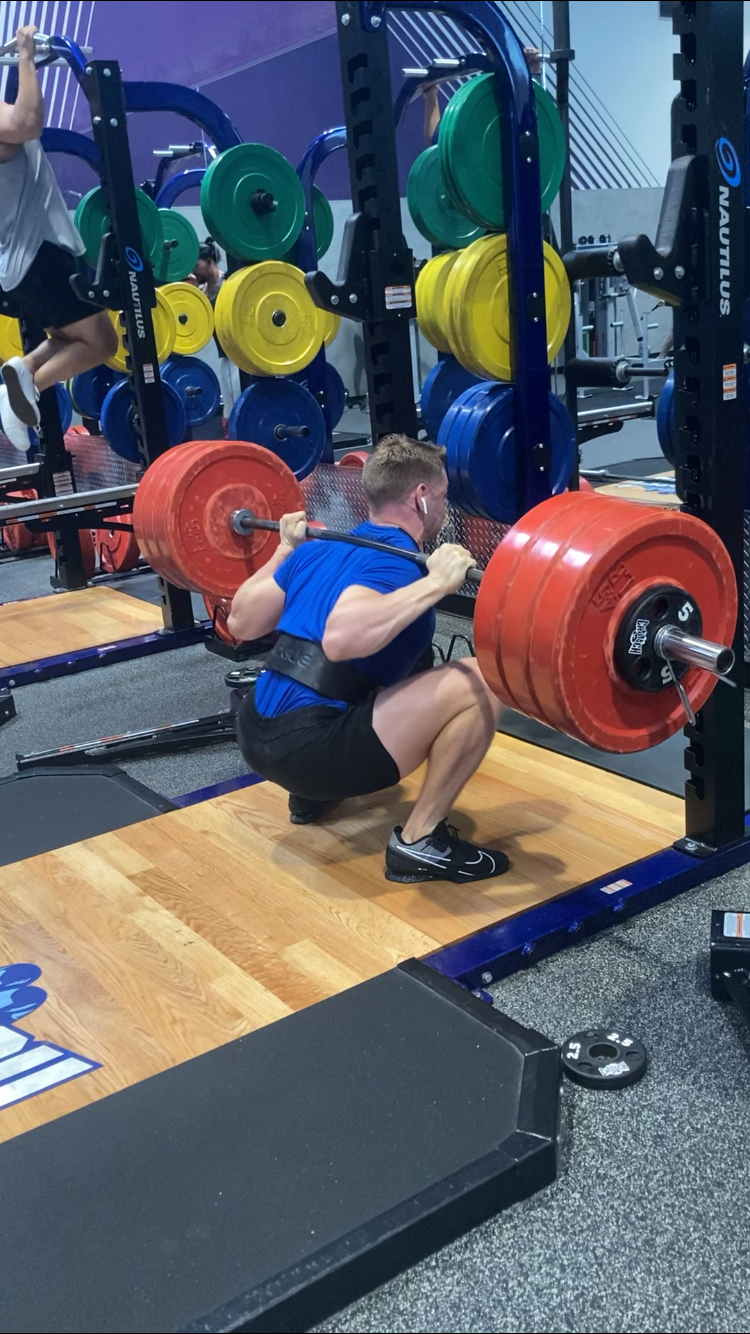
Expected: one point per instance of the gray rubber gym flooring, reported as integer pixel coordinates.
(646, 1228)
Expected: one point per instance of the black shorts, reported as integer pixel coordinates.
(45, 294)
(317, 752)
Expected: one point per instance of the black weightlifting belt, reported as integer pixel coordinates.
(305, 662)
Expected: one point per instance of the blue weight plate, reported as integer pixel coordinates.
(197, 385)
(268, 405)
(665, 423)
(91, 388)
(443, 385)
(117, 419)
(473, 402)
(455, 422)
(335, 391)
(449, 436)
(487, 461)
(65, 406)
(451, 422)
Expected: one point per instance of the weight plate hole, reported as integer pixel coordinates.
(661, 607)
(603, 1050)
(279, 318)
(642, 668)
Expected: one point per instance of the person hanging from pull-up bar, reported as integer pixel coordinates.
(39, 253)
(337, 713)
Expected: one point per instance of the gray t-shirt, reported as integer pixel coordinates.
(32, 210)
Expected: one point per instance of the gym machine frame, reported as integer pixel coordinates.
(688, 267)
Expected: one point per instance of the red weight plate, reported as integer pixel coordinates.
(545, 524)
(218, 610)
(148, 509)
(118, 550)
(17, 536)
(660, 547)
(88, 550)
(584, 558)
(496, 662)
(203, 485)
(356, 458)
(148, 513)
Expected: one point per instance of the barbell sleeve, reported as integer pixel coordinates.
(672, 644)
(283, 432)
(244, 522)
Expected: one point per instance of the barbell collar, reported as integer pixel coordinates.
(672, 644)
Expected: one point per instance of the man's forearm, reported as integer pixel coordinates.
(28, 110)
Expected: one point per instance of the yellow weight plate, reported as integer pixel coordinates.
(270, 318)
(165, 332)
(451, 322)
(10, 338)
(430, 297)
(224, 324)
(332, 324)
(194, 317)
(477, 307)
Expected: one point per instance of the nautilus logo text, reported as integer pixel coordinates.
(729, 162)
(729, 166)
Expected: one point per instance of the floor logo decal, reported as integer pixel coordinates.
(29, 1066)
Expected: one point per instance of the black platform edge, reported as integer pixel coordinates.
(324, 1283)
(160, 804)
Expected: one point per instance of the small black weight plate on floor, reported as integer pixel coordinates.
(604, 1058)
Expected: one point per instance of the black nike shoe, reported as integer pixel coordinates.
(304, 810)
(441, 855)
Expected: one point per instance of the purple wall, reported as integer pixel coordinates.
(194, 42)
(273, 68)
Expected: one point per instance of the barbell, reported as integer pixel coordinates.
(598, 617)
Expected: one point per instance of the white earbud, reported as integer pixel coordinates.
(423, 503)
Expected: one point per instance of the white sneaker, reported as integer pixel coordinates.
(22, 391)
(13, 427)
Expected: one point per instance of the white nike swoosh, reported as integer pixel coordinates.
(422, 856)
(478, 860)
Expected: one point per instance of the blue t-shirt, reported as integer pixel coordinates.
(313, 579)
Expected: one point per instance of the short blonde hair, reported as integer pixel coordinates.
(397, 465)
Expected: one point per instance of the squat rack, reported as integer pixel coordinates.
(696, 264)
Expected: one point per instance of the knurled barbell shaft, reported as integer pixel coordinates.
(244, 522)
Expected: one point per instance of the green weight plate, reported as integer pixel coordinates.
(323, 220)
(253, 202)
(179, 249)
(92, 221)
(470, 156)
(431, 207)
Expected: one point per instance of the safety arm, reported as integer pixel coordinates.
(363, 621)
(23, 120)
